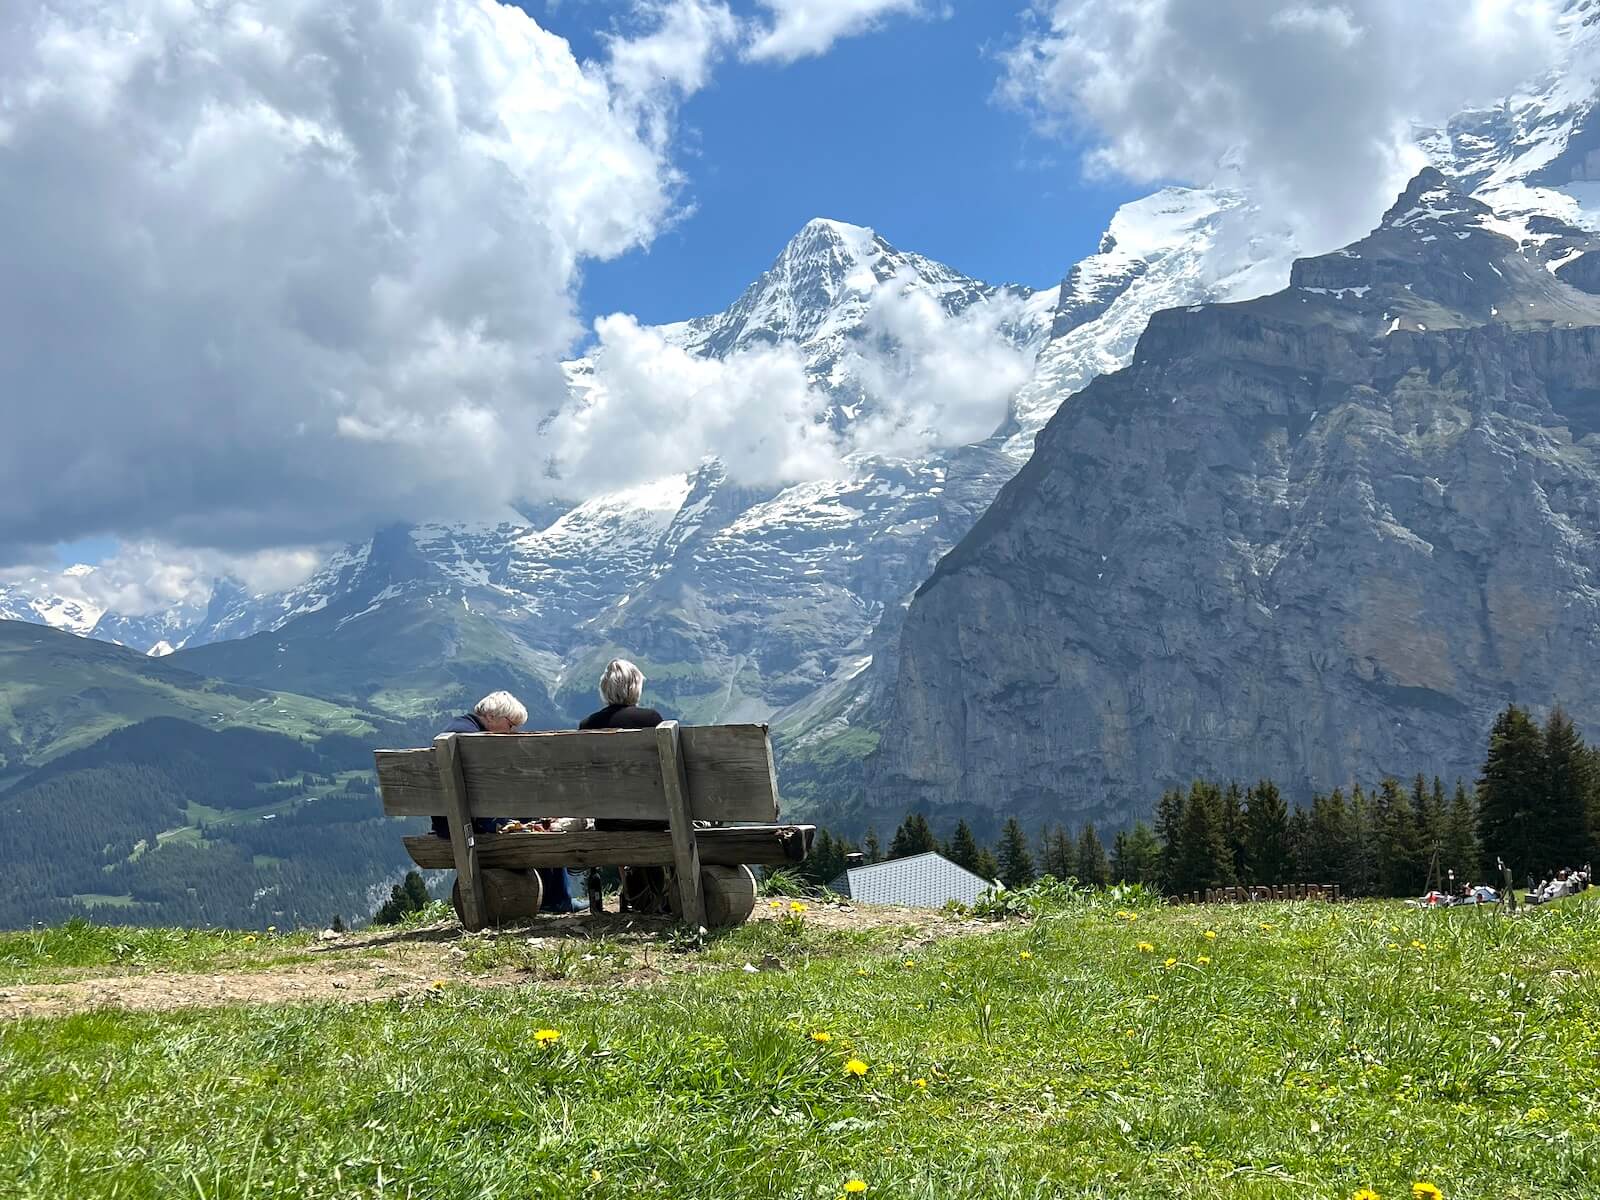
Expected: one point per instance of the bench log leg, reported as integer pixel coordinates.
(469, 879)
(685, 852)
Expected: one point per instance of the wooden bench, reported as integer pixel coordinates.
(672, 773)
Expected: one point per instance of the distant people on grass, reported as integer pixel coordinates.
(1567, 882)
(644, 889)
(501, 712)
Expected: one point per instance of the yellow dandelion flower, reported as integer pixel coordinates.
(854, 1186)
(249, 939)
(1025, 955)
(1394, 945)
(1123, 914)
(1130, 1033)
(1170, 963)
(774, 903)
(861, 971)
(1366, 1194)
(438, 984)
(1416, 945)
(1268, 925)
(1146, 948)
(856, 1067)
(921, 1083)
(1211, 935)
(547, 1036)
(910, 962)
(1151, 996)
(1425, 1191)
(596, 1176)
(821, 1036)
(1133, 916)
(1202, 960)
(796, 907)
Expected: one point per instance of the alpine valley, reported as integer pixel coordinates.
(1313, 519)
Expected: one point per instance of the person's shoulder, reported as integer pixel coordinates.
(597, 720)
(650, 715)
(462, 724)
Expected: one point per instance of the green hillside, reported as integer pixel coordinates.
(1328, 1052)
(139, 792)
(407, 662)
(60, 693)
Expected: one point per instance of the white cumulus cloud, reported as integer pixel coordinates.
(796, 29)
(279, 270)
(930, 380)
(1309, 105)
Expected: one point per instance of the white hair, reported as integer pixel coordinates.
(502, 705)
(622, 683)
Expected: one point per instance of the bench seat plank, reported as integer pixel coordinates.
(604, 773)
(730, 845)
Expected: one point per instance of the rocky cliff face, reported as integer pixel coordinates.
(1314, 536)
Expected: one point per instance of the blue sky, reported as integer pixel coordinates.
(893, 129)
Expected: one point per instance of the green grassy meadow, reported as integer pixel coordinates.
(1295, 1050)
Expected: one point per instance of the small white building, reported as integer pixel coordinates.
(927, 880)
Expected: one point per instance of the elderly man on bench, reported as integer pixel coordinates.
(501, 712)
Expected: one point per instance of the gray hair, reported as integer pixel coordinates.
(503, 705)
(623, 683)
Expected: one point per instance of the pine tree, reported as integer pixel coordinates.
(1119, 856)
(338, 924)
(1567, 789)
(962, 848)
(1205, 858)
(1016, 860)
(1401, 864)
(1460, 849)
(1509, 795)
(1093, 869)
(1058, 857)
(1169, 832)
(1300, 845)
(987, 867)
(1429, 805)
(1361, 863)
(1233, 828)
(416, 891)
(825, 863)
(872, 847)
(1267, 855)
(1142, 858)
(913, 837)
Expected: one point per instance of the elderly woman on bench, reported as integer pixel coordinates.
(644, 889)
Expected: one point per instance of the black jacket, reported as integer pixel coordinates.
(622, 716)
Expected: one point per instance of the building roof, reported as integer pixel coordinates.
(927, 880)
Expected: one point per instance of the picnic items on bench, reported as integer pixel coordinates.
(722, 774)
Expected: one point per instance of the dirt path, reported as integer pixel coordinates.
(604, 951)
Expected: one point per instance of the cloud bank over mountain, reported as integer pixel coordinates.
(1310, 107)
(279, 271)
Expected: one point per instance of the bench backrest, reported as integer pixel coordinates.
(728, 770)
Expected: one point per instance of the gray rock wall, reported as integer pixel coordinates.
(1316, 537)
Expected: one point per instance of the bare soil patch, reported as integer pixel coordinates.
(382, 964)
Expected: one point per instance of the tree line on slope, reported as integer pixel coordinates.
(1536, 808)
